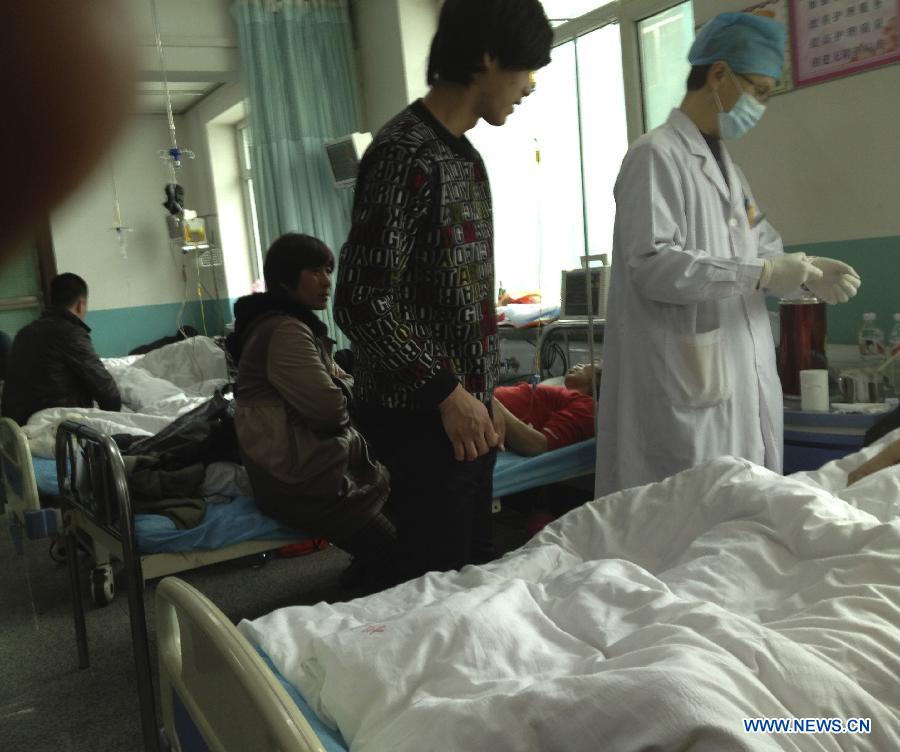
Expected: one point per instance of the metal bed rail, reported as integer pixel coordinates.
(93, 483)
(569, 331)
(19, 492)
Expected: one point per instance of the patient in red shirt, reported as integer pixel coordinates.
(543, 418)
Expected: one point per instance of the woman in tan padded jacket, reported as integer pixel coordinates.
(308, 466)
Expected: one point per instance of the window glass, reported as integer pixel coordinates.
(250, 215)
(535, 163)
(664, 42)
(245, 147)
(254, 229)
(554, 164)
(604, 133)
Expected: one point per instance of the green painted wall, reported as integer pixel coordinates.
(118, 330)
(115, 331)
(878, 262)
(19, 277)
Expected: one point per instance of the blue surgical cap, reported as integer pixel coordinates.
(748, 43)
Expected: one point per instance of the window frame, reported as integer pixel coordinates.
(627, 14)
(242, 147)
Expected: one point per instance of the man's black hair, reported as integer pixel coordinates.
(516, 33)
(66, 289)
(697, 77)
(291, 254)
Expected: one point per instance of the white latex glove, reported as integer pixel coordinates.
(787, 273)
(839, 281)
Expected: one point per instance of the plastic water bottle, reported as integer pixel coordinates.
(871, 341)
(893, 349)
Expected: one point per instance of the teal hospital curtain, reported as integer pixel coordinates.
(299, 67)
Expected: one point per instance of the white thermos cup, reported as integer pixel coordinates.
(814, 390)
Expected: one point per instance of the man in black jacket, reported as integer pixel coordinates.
(53, 362)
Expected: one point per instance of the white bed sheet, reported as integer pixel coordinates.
(657, 618)
(156, 389)
(878, 494)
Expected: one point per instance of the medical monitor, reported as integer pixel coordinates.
(574, 293)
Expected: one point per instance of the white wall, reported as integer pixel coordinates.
(392, 42)
(200, 44)
(199, 39)
(84, 244)
(418, 22)
(824, 160)
(380, 62)
(392, 39)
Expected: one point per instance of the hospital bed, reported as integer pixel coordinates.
(217, 692)
(157, 388)
(567, 342)
(89, 514)
(94, 490)
(666, 614)
(95, 504)
(27, 517)
(230, 530)
(561, 344)
(514, 473)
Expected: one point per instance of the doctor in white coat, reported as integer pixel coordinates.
(689, 361)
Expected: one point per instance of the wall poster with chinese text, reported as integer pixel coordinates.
(833, 38)
(778, 9)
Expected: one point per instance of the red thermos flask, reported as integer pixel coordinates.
(802, 341)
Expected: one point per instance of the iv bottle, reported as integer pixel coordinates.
(893, 349)
(871, 341)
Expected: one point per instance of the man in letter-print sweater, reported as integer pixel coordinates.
(415, 291)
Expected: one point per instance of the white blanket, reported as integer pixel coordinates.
(658, 618)
(156, 389)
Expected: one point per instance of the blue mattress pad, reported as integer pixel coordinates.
(224, 524)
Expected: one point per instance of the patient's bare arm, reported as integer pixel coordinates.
(890, 455)
(521, 437)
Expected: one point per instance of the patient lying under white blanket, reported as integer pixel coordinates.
(156, 388)
(658, 618)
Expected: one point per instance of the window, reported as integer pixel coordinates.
(604, 132)
(664, 42)
(246, 173)
(553, 165)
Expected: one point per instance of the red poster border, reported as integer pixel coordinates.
(795, 56)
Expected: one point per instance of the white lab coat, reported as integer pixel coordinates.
(688, 358)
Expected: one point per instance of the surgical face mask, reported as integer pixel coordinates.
(742, 117)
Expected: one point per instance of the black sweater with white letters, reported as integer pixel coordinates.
(415, 289)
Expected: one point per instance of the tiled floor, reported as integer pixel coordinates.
(48, 704)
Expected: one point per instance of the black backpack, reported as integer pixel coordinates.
(206, 434)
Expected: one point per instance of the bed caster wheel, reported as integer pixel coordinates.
(261, 559)
(103, 585)
(58, 551)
